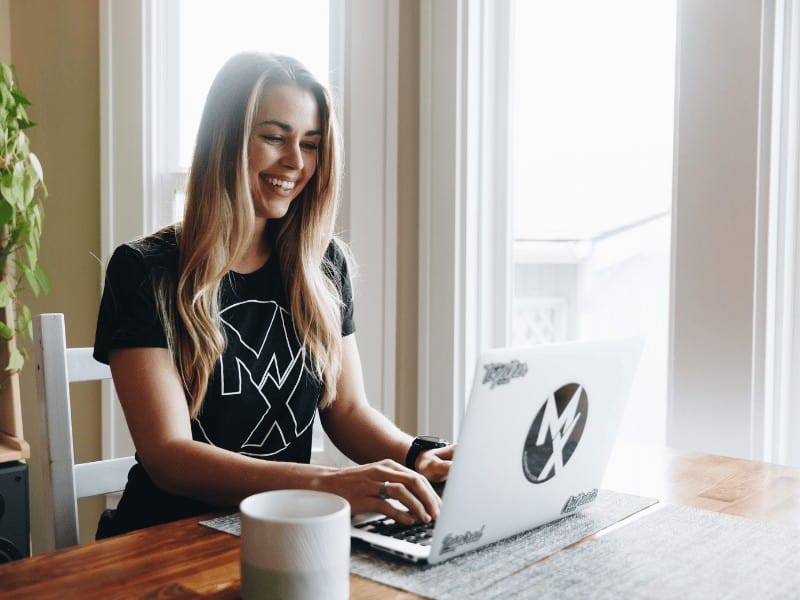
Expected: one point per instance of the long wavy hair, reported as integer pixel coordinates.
(218, 225)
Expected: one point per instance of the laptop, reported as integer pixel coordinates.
(533, 447)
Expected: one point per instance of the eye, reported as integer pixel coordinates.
(310, 146)
(272, 139)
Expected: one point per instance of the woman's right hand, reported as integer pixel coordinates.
(369, 487)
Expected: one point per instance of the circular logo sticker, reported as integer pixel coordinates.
(555, 433)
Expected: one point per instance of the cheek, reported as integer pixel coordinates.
(259, 155)
(311, 167)
(252, 160)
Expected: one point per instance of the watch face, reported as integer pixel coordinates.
(423, 443)
(431, 441)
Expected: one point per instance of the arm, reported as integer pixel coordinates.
(363, 433)
(357, 429)
(152, 398)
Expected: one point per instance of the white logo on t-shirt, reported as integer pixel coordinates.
(266, 362)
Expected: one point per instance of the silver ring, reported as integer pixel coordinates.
(383, 494)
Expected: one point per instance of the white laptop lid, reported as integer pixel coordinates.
(535, 440)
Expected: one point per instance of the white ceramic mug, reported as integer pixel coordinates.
(295, 544)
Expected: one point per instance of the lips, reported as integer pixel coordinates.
(283, 184)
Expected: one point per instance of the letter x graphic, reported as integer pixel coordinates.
(560, 429)
(269, 366)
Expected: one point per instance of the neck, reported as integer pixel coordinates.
(257, 253)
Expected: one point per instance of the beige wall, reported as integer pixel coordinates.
(54, 45)
(5, 31)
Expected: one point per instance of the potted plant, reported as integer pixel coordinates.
(21, 192)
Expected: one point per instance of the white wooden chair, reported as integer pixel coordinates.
(64, 481)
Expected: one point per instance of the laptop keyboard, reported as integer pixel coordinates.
(421, 533)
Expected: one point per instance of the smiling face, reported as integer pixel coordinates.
(282, 149)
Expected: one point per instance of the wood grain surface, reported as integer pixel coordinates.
(186, 560)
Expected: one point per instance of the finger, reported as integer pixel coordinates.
(402, 494)
(383, 491)
(446, 453)
(421, 489)
(436, 464)
(396, 502)
(438, 470)
(412, 490)
(400, 515)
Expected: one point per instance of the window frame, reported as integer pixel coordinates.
(780, 383)
(464, 66)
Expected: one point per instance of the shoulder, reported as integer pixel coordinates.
(153, 253)
(338, 265)
(338, 259)
(156, 247)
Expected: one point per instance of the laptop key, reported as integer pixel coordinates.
(419, 533)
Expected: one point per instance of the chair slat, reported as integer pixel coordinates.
(56, 367)
(102, 476)
(82, 366)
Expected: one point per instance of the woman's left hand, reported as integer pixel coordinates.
(435, 464)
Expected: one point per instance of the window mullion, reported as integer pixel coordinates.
(777, 414)
(465, 249)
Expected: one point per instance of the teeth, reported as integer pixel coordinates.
(286, 185)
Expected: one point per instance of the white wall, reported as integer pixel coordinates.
(714, 225)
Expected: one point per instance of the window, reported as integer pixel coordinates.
(732, 325)
(556, 210)
(592, 183)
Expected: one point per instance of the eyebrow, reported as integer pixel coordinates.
(288, 128)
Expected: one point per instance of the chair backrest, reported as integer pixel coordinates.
(56, 367)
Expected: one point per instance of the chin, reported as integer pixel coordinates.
(273, 209)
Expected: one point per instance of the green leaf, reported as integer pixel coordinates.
(5, 210)
(20, 97)
(25, 322)
(42, 278)
(10, 194)
(5, 331)
(30, 277)
(8, 73)
(15, 361)
(5, 294)
(30, 252)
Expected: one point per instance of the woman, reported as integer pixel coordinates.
(226, 331)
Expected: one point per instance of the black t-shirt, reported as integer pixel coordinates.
(262, 396)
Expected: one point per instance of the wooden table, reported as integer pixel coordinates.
(185, 560)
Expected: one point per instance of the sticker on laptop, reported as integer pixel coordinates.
(555, 433)
(495, 374)
(453, 541)
(573, 503)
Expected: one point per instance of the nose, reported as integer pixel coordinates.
(293, 156)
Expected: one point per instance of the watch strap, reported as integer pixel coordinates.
(420, 445)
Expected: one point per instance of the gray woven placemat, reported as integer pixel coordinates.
(673, 552)
(468, 575)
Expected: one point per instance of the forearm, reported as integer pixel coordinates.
(365, 435)
(221, 477)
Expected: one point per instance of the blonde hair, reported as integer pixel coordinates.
(218, 224)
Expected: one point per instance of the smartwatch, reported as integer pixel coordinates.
(420, 444)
